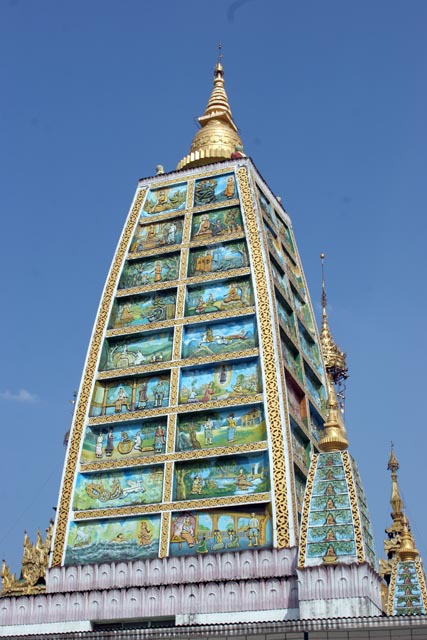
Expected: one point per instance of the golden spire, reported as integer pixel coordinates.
(395, 501)
(407, 550)
(217, 138)
(334, 358)
(335, 438)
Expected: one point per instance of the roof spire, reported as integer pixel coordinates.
(335, 437)
(217, 138)
(395, 532)
(334, 358)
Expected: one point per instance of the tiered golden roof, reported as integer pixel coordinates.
(217, 138)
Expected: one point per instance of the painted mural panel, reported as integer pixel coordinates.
(303, 309)
(292, 358)
(310, 349)
(266, 206)
(316, 389)
(228, 380)
(150, 271)
(142, 310)
(118, 488)
(282, 280)
(157, 235)
(220, 531)
(285, 235)
(216, 224)
(274, 245)
(300, 445)
(218, 257)
(299, 490)
(122, 441)
(220, 428)
(221, 477)
(165, 200)
(218, 189)
(133, 352)
(286, 315)
(113, 540)
(136, 394)
(295, 398)
(220, 337)
(316, 424)
(221, 296)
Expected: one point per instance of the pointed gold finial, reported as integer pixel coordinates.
(217, 138)
(335, 437)
(335, 359)
(407, 550)
(395, 533)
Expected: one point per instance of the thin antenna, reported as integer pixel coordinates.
(220, 54)
(324, 301)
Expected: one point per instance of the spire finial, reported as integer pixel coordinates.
(220, 54)
(218, 137)
(334, 358)
(395, 532)
(324, 301)
(335, 437)
(407, 549)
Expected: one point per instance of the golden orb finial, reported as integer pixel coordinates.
(217, 137)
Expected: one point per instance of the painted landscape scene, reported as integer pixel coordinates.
(157, 235)
(150, 271)
(220, 531)
(165, 200)
(113, 540)
(218, 189)
(231, 380)
(216, 224)
(143, 310)
(218, 257)
(220, 477)
(221, 337)
(125, 396)
(222, 296)
(125, 440)
(145, 349)
(220, 428)
(118, 488)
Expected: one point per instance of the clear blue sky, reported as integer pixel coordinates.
(330, 98)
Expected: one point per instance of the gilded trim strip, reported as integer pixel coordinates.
(164, 534)
(354, 506)
(138, 510)
(269, 364)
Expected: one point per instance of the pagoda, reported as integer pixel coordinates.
(207, 479)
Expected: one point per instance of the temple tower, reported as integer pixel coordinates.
(337, 563)
(403, 570)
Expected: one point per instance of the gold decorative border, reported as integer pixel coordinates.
(179, 213)
(184, 408)
(174, 387)
(269, 362)
(172, 284)
(421, 581)
(177, 342)
(86, 386)
(354, 506)
(190, 193)
(185, 505)
(164, 534)
(174, 455)
(167, 364)
(306, 510)
(392, 588)
(168, 482)
(147, 253)
(165, 324)
(170, 444)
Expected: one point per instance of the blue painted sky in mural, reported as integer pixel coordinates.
(330, 99)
